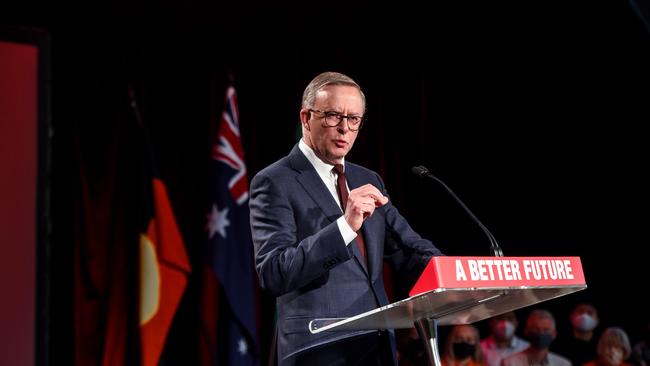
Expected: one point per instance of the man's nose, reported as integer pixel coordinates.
(343, 125)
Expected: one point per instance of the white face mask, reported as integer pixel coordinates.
(584, 322)
(504, 330)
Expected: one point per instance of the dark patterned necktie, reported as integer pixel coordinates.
(342, 190)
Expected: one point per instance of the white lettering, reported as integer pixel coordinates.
(460, 272)
(473, 270)
(527, 269)
(511, 270)
(515, 270)
(482, 270)
(489, 263)
(561, 273)
(498, 263)
(543, 263)
(506, 270)
(552, 269)
(569, 270)
(537, 274)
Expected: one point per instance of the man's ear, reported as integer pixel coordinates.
(304, 119)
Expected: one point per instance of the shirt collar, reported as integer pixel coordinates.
(322, 168)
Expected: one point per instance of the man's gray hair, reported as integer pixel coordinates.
(325, 79)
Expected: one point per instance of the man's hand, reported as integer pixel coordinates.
(362, 202)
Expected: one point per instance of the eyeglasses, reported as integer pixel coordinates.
(333, 119)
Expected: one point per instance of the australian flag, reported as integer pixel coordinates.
(229, 303)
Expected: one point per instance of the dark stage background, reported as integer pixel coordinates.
(534, 113)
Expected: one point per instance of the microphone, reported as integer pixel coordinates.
(422, 171)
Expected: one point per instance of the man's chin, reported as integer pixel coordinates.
(337, 157)
(339, 152)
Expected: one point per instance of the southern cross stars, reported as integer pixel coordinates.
(217, 221)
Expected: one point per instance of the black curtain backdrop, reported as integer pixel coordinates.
(532, 112)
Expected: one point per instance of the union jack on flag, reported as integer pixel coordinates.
(228, 149)
(229, 250)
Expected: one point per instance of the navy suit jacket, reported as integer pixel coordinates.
(301, 258)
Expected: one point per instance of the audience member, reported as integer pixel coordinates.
(613, 348)
(502, 341)
(540, 331)
(462, 347)
(580, 345)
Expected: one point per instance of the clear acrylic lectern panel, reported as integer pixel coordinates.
(446, 306)
(464, 290)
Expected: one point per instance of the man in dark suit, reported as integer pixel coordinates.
(322, 228)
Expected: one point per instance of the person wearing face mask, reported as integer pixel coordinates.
(613, 348)
(580, 345)
(540, 332)
(462, 347)
(502, 341)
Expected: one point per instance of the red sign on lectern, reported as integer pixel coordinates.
(487, 272)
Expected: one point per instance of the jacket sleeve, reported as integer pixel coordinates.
(284, 263)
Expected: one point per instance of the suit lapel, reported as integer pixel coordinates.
(313, 184)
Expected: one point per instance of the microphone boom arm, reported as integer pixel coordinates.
(424, 172)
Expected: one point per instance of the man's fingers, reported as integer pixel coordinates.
(371, 191)
(381, 201)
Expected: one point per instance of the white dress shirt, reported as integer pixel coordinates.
(326, 173)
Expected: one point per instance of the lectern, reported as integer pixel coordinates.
(464, 290)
